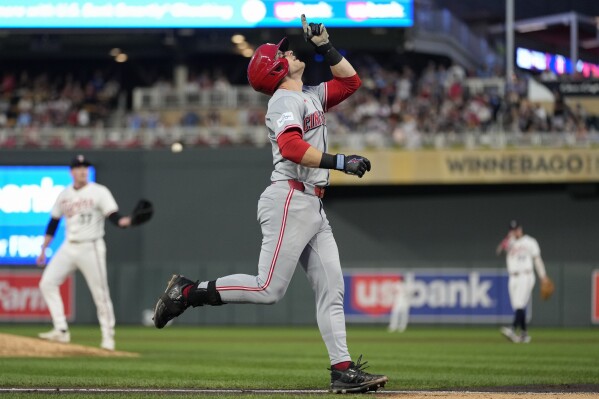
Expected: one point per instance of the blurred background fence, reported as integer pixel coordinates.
(205, 226)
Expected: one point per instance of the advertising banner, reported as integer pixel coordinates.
(202, 13)
(27, 194)
(476, 166)
(21, 299)
(436, 296)
(584, 88)
(556, 63)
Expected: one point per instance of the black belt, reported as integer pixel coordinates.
(298, 185)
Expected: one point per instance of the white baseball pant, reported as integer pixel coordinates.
(90, 258)
(520, 287)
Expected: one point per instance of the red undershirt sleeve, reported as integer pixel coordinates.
(338, 89)
(291, 144)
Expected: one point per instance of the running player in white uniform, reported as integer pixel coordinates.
(523, 253)
(85, 205)
(294, 224)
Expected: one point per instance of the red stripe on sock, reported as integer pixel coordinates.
(341, 366)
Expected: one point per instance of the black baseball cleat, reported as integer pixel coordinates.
(355, 379)
(171, 304)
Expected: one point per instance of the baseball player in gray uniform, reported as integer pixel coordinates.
(294, 224)
(84, 205)
(522, 252)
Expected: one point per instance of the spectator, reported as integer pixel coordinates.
(83, 117)
(190, 119)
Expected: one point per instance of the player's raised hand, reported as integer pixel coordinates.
(314, 33)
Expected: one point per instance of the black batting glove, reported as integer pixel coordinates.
(316, 35)
(350, 164)
(355, 165)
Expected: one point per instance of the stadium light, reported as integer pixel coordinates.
(238, 39)
(122, 57)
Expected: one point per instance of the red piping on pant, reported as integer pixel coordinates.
(276, 254)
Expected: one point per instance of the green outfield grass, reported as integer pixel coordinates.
(422, 358)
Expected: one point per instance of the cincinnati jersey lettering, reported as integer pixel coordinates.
(314, 120)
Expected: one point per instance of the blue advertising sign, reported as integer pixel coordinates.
(27, 194)
(440, 295)
(203, 13)
(558, 64)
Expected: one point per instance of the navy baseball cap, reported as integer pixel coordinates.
(80, 160)
(514, 224)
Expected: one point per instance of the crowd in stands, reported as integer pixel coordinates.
(30, 103)
(49, 101)
(402, 107)
(395, 107)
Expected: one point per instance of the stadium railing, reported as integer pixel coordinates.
(222, 136)
(441, 32)
(144, 138)
(233, 97)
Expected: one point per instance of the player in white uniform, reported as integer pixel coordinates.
(400, 312)
(522, 255)
(294, 224)
(85, 205)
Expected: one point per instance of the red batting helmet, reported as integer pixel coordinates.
(265, 71)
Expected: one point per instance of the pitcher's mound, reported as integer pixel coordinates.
(17, 346)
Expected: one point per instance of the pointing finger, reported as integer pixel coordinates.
(304, 23)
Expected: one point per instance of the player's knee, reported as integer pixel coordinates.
(335, 295)
(271, 299)
(46, 285)
(273, 295)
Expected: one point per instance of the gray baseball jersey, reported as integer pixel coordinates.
(305, 110)
(294, 225)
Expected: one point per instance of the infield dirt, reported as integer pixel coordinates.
(17, 346)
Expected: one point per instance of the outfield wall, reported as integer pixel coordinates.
(205, 226)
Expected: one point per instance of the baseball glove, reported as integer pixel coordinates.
(142, 212)
(547, 288)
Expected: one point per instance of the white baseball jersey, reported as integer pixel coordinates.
(520, 254)
(85, 211)
(304, 110)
